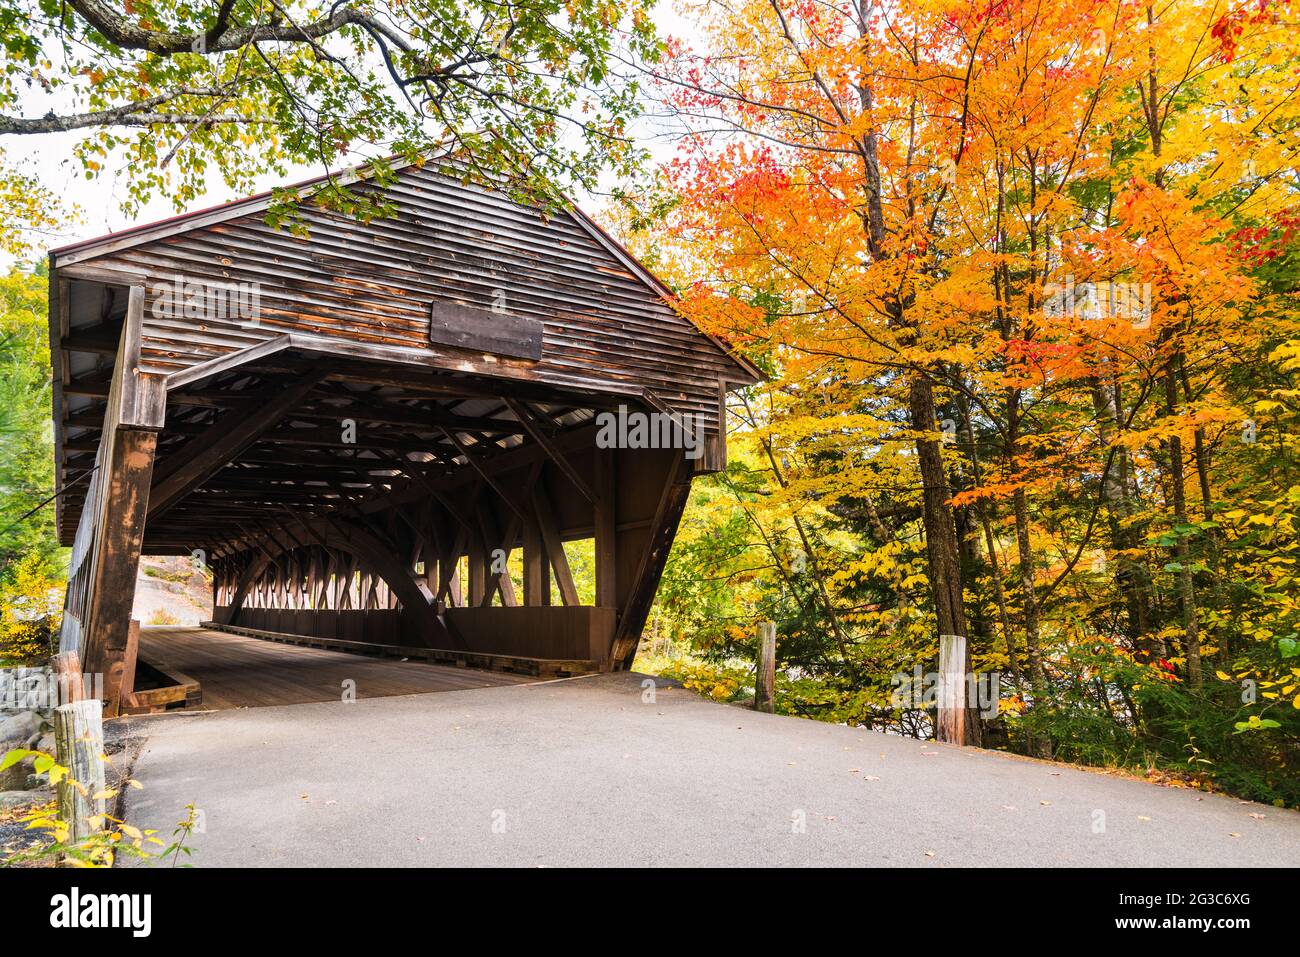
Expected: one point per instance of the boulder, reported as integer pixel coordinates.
(15, 732)
(13, 779)
(12, 799)
(18, 728)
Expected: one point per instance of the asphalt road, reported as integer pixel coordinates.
(586, 772)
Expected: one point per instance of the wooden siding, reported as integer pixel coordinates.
(605, 330)
(331, 464)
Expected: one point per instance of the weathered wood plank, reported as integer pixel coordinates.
(496, 332)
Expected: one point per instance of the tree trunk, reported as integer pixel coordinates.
(1130, 575)
(1186, 585)
(941, 545)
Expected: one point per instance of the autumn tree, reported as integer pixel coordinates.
(526, 95)
(1005, 263)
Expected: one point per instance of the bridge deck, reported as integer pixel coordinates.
(241, 672)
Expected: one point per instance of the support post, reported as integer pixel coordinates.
(101, 587)
(479, 556)
(641, 592)
(79, 744)
(765, 676)
(536, 572)
(605, 526)
(554, 546)
(126, 692)
(950, 724)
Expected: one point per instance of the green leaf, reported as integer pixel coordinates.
(13, 757)
(1256, 724)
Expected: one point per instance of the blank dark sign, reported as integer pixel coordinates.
(482, 330)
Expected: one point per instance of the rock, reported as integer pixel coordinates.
(15, 731)
(13, 779)
(12, 799)
(18, 728)
(45, 743)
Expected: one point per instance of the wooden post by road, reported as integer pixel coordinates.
(79, 746)
(951, 721)
(765, 679)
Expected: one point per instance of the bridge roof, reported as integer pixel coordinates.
(460, 296)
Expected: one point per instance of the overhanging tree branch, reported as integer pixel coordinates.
(141, 113)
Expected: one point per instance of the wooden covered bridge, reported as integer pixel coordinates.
(361, 430)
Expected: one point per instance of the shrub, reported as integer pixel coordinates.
(31, 611)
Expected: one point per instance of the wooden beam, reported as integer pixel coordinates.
(205, 455)
(141, 398)
(230, 360)
(472, 459)
(110, 533)
(498, 581)
(449, 568)
(668, 514)
(554, 546)
(529, 421)
(414, 471)
(605, 530)
(478, 559)
(537, 572)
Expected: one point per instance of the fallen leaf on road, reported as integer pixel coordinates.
(871, 777)
(929, 853)
(1045, 803)
(1233, 834)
